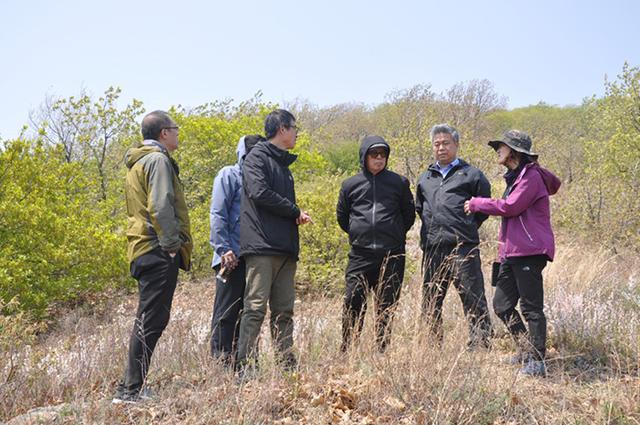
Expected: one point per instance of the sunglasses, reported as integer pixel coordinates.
(377, 153)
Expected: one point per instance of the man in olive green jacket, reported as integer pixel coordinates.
(159, 243)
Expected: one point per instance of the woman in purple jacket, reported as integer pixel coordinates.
(526, 243)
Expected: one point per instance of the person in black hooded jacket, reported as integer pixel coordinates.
(269, 243)
(449, 237)
(375, 207)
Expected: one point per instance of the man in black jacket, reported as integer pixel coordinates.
(375, 207)
(449, 238)
(269, 219)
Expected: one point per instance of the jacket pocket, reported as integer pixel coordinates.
(149, 261)
(525, 228)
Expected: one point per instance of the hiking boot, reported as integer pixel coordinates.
(289, 363)
(534, 368)
(483, 344)
(147, 395)
(123, 397)
(246, 370)
(518, 359)
(226, 360)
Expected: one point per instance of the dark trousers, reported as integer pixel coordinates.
(520, 278)
(225, 322)
(461, 266)
(381, 275)
(157, 275)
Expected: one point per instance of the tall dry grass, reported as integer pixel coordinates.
(592, 302)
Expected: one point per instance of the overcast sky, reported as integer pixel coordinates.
(191, 52)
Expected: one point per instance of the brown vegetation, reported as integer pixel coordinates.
(594, 358)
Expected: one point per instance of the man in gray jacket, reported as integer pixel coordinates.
(449, 237)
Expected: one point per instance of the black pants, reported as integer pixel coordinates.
(225, 322)
(460, 265)
(520, 278)
(381, 275)
(157, 275)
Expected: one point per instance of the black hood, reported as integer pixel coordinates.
(367, 143)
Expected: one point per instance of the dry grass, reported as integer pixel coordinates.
(593, 305)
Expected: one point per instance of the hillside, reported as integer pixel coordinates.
(594, 357)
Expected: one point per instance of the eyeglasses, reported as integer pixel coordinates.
(377, 153)
(295, 127)
(171, 128)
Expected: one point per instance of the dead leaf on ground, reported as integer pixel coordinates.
(395, 403)
(317, 400)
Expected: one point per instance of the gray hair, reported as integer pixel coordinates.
(446, 129)
(153, 123)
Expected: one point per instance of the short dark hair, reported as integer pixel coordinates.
(153, 123)
(275, 120)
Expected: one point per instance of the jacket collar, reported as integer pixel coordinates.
(461, 164)
(151, 142)
(283, 157)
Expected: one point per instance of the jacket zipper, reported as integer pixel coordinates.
(525, 229)
(373, 212)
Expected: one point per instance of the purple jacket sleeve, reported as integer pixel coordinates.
(525, 193)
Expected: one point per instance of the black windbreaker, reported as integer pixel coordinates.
(440, 205)
(268, 208)
(376, 211)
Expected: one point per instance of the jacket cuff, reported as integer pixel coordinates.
(296, 211)
(473, 204)
(221, 250)
(171, 247)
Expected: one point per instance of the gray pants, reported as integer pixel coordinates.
(269, 280)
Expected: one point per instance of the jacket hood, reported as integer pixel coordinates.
(134, 154)
(550, 180)
(241, 151)
(367, 143)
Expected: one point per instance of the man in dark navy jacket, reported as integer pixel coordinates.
(449, 237)
(376, 209)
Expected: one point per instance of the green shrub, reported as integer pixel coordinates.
(343, 157)
(323, 245)
(56, 243)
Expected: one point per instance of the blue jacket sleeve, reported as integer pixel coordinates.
(221, 203)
